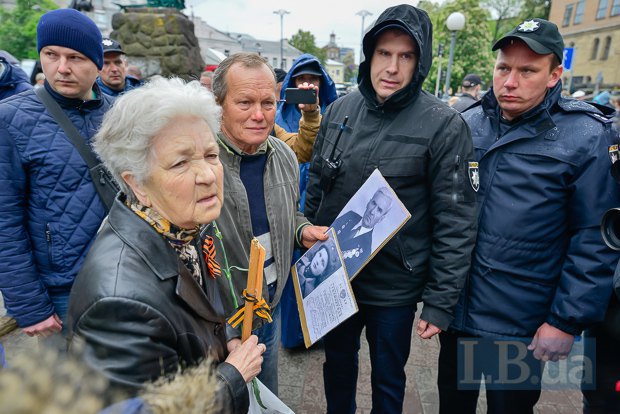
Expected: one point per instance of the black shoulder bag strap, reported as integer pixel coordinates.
(104, 183)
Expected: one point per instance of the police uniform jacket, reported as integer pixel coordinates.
(544, 185)
(422, 147)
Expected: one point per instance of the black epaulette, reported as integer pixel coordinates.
(601, 113)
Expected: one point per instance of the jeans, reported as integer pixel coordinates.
(388, 331)
(60, 300)
(61, 304)
(269, 334)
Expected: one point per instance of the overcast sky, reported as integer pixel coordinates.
(320, 17)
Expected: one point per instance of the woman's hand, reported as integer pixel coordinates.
(247, 357)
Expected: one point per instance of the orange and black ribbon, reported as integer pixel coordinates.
(260, 309)
(208, 249)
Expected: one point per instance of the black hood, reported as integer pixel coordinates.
(418, 25)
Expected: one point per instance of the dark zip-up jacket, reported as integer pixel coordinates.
(422, 148)
(545, 184)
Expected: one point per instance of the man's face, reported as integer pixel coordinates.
(113, 72)
(307, 78)
(249, 108)
(376, 209)
(393, 63)
(521, 78)
(68, 72)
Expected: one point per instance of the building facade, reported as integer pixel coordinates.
(592, 28)
(335, 70)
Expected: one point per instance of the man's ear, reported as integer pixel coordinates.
(137, 188)
(555, 76)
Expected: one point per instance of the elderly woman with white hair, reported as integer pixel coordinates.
(145, 302)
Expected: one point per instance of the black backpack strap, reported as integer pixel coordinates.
(104, 183)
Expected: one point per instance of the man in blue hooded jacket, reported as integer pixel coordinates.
(540, 271)
(306, 69)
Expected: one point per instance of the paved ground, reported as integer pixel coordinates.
(301, 379)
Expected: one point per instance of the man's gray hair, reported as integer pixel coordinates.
(384, 191)
(124, 141)
(247, 60)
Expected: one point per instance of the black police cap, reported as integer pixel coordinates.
(540, 35)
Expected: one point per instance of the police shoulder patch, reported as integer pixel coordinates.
(474, 176)
(614, 155)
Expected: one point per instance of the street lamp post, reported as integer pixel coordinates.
(362, 13)
(454, 22)
(281, 12)
(439, 56)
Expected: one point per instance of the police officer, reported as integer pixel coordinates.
(540, 270)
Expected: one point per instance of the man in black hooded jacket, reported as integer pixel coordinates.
(424, 150)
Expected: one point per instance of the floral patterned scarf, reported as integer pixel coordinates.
(179, 238)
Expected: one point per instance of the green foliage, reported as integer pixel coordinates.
(472, 52)
(535, 8)
(18, 27)
(505, 13)
(306, 42)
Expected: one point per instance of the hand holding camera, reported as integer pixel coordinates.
(306, 96)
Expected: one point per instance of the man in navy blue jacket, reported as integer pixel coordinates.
(13, 79)
(113, 79)
(540, 271)
(49, 208)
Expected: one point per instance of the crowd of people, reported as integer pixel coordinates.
(506, 190)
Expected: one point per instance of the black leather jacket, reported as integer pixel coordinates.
(141, 314)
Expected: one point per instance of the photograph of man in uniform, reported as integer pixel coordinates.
(354, 232)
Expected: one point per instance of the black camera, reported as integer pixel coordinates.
(610, 228)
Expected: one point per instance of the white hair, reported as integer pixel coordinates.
(126, 135)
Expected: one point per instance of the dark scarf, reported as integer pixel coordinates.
(180, 239)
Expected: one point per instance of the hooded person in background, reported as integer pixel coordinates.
(306, 71)
(13, 79)
(291, 118)
(422, 148)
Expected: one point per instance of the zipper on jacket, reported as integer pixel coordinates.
(455, 179)
(48, 237)
(402, 254)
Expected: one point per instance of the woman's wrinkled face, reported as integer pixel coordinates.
(185, 184)
(319, 262)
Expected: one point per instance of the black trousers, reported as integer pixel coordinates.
(604, 398)
(501, 401)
